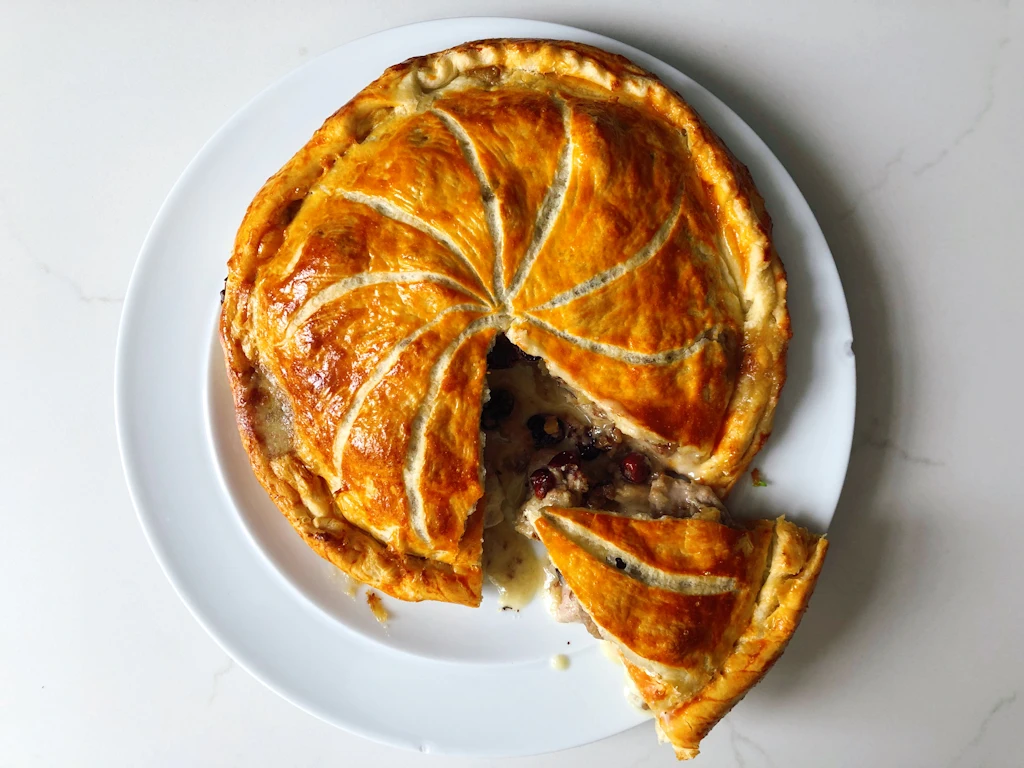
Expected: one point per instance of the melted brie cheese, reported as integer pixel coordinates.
(511, 564)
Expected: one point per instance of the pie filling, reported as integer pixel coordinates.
(545, 446)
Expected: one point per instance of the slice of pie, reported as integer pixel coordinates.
(502, 198)
(697, 610)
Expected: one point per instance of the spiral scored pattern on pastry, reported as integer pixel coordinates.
(548, 190)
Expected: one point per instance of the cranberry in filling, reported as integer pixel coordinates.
(542, 481)
(635, 468)
(565, 459)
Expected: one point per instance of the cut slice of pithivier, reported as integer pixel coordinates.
(697, 610)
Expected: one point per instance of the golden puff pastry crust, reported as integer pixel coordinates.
(697, 610)
(547, 190)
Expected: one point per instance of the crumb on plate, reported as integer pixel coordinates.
(380, 613)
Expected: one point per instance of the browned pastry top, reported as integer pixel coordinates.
(547, 190)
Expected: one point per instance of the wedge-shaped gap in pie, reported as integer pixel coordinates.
(546, 444)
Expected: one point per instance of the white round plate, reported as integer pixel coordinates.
(442, 678)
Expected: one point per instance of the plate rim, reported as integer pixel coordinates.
(122, 363)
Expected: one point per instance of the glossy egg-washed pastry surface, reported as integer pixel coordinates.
(698, 611)
(548, 190)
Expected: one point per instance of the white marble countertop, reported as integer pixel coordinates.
(903, 125)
